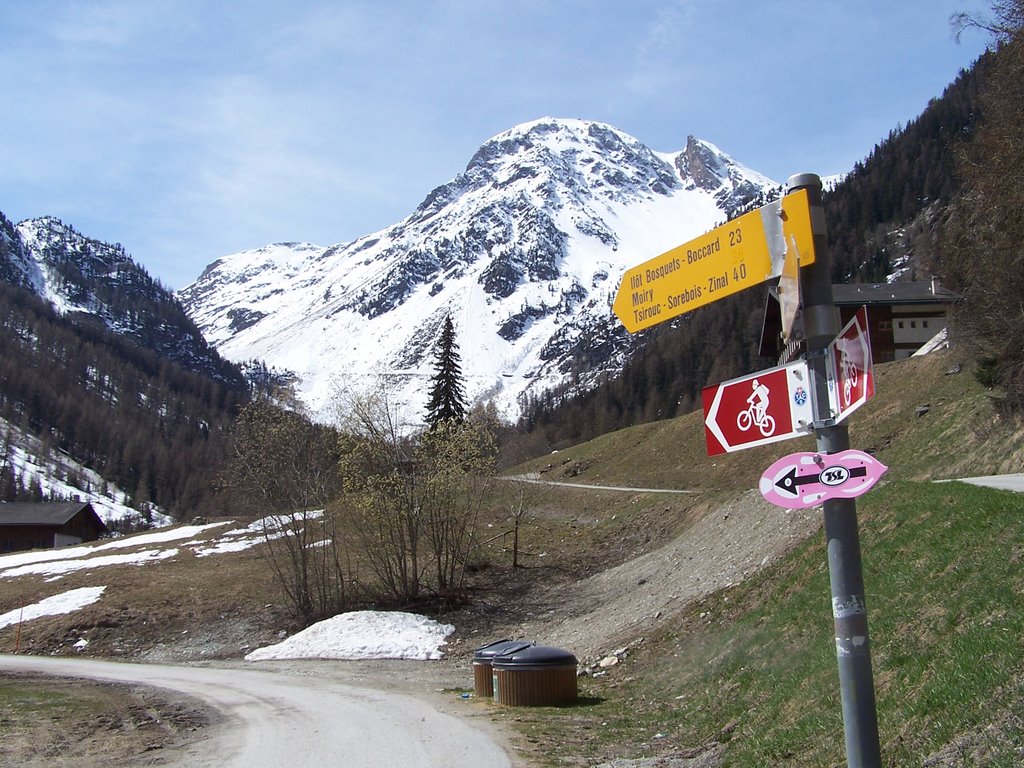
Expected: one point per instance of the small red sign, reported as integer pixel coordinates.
(757, 409)
(851, 377)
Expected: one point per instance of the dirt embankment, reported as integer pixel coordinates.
(724, 546)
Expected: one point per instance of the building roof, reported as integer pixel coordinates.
(921, 292)
(18, 513)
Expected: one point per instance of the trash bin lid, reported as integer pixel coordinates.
(499, 647)
(534, 656)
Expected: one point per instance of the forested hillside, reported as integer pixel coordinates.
(100, 361)
(100, 282)
(981, 252)
(885, 214)
(142, 421)
(883, 219)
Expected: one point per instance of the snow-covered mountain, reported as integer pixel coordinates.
(82, 277)
(524, 249)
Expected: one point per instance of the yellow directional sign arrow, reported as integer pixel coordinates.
(742, 253)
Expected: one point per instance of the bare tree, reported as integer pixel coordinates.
(413, 498)
(522, 497)
(1006, 20)
(380, 489)
(456, 464)
(285, 468)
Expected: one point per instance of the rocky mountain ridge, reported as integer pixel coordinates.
(524, 249)
(91, 280)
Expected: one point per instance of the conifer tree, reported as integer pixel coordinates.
(447, 395)
(982, 258)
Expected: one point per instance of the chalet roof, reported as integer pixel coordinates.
(18, 513)
(921, 292)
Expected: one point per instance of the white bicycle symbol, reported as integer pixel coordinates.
(752, 416)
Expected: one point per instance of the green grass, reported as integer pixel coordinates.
(945, 593)
(753, 668)
(20, 698)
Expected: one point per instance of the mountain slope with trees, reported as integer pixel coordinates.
(99, 361)
(883, 221)
(982, 253)
(141, 421)
(99, 282)
(937, 196)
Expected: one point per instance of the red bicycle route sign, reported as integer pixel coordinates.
(757, 409)
(851, 375)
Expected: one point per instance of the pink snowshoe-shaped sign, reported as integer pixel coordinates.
(803, 480)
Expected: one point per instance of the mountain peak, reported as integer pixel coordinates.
(524, 249)
(82, 277)
(704, 166)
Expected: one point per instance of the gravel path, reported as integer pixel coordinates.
(302, 715)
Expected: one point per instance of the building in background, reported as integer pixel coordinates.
(902, 318)
(47, 526)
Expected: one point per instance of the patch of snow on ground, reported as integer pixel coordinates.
(60, 568)
(84, 550)
(159, 537)
(225, 545)
(277, 522)
(354, 635)
(66, 602)
(363, 635)
(938, 341)
(264, 529)
(72, 553)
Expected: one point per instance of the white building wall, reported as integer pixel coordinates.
(913, 326)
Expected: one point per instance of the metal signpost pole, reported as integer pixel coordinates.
(853, 653)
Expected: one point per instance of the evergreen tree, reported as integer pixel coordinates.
(447, 396)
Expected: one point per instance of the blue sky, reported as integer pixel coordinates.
(187, 130)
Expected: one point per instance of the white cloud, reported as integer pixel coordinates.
(188, 130)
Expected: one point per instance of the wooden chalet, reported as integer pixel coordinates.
(902, 318)
(47, 526)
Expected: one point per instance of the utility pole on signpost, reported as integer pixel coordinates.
(849, 610)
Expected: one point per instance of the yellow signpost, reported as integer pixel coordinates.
(742, 253)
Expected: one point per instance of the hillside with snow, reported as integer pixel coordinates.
(28, 462)
(524, 249)
(81, 277)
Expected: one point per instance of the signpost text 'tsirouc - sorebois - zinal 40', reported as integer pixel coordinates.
(786, 240)
(745, 252)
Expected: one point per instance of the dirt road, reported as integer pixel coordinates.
(280, 717)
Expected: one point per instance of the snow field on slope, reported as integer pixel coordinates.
(334, 353)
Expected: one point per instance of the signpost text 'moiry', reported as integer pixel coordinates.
(743, 253)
